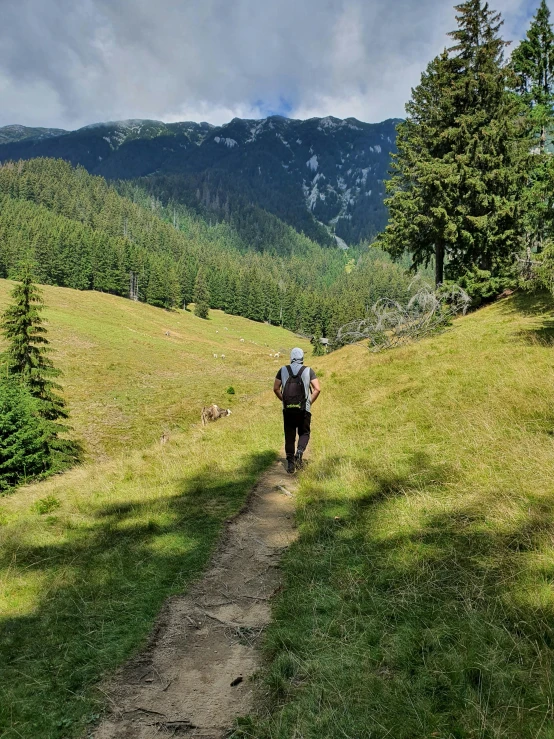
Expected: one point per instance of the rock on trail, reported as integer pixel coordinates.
(193, 678)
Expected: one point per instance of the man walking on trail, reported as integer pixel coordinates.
(297, 387)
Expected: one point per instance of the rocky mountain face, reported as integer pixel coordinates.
(324, 176)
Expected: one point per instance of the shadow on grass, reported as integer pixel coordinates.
(529, 304)
(534, 304)
(402, 621)
(106, 580)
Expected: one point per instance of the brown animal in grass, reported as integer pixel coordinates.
(213, 412)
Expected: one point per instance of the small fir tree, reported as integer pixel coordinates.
(201, 296)
(27, 354)
(24, 436)
(319, 349)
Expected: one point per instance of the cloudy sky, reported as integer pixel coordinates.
(67, 63)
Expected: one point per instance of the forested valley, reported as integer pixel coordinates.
(79, 231)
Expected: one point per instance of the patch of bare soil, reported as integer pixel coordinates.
(194, 677)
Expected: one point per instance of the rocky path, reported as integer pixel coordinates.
(194, 677)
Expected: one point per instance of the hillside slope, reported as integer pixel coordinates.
(88, 558)
(132, 371)
(419, 599)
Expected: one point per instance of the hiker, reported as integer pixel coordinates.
(297, 387)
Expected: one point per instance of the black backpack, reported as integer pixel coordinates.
(294, 392)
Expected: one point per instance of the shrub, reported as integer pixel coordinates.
(483, 287)
(230, 390)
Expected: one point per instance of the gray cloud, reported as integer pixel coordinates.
(66, 63)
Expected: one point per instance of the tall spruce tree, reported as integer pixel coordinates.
(533, 64)
(201, 296)
(26, 356)
(461, 162)
(420, 187)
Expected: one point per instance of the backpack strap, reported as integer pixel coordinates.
(298, 374)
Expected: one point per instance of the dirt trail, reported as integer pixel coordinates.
(193, 679)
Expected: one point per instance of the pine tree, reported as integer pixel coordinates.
(27, 354)
(256, 298)
(420, 197)
(533, 64)
(488, 142)
(201, 296)
(24, 437)
(156, 293)
(461, 163)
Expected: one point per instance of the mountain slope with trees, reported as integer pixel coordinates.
(81, 232)
(323, 176)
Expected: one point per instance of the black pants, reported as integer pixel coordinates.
(296, 421)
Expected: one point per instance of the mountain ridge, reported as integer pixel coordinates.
(16, 132)
(324, 176)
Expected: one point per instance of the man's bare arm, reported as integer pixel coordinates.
(277, 389)
(315, 390)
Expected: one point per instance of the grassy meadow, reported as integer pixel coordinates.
(127, 382)
(419, 598)
(87, 558)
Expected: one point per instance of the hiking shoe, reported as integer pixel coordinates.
(298, 460)
(290, 466)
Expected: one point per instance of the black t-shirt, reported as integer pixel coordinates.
(313, 375)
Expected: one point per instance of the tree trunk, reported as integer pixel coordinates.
(439, 264)
(540, 233)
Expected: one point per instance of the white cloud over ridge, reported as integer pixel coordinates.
(65, 63)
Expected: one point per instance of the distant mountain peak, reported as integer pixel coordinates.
(128, 123)
(16, 132)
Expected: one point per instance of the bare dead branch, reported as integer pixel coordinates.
(391, 324)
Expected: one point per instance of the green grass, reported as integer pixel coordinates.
(87, 558)
(127, 382)
(419, 598)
